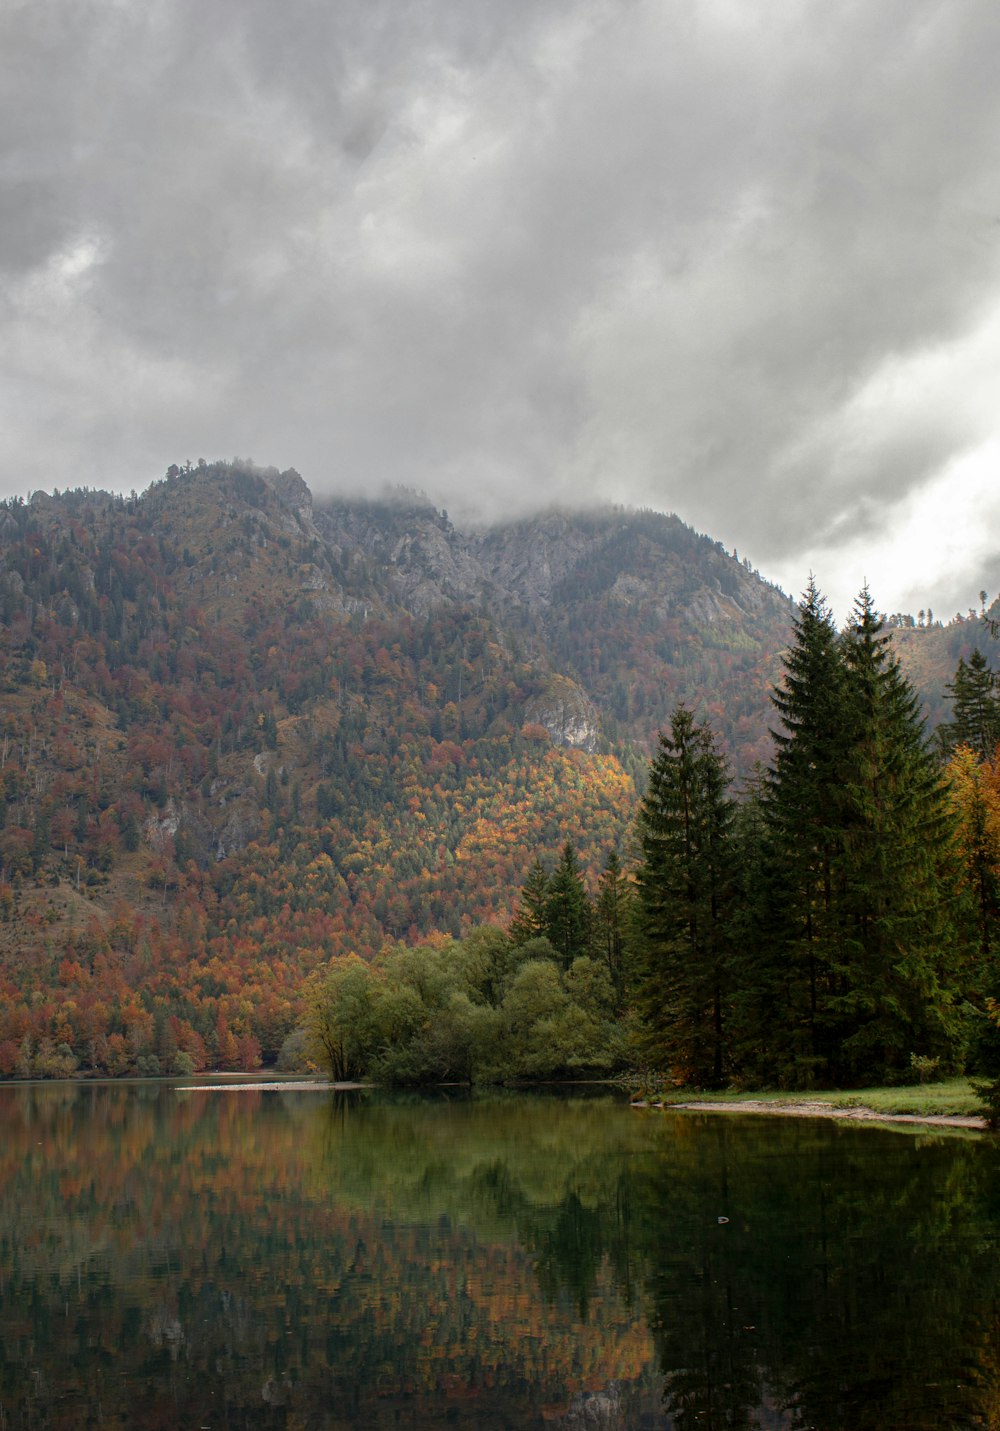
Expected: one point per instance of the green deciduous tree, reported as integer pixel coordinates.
(341, 1033)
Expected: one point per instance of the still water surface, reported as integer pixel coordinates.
(291, 1260)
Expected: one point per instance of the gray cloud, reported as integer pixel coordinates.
(733, 259)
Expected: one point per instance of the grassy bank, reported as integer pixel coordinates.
(953, 1098)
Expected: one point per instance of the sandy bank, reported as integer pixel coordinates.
(804, 1108)
(284, 1086)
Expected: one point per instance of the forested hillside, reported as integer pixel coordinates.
(241, 735)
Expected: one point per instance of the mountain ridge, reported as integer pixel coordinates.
(243, 732)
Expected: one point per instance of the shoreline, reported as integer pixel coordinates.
(287, 1085)
(806, 1108)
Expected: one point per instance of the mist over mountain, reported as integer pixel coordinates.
(243, 732)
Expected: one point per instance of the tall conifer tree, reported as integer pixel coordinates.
(897, 946)
(804, 801)
(567, 909)
(531, 920)
(685, 887)
(759, 981)
(859, 849)
(975, 709)
(611, 917)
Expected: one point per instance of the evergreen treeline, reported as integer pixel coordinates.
(817, 932)
(834, 926)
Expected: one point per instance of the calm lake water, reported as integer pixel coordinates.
(308, 1260)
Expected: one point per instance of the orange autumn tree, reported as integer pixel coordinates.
(974, 790)
(974, 787)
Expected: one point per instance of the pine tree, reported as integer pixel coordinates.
(897, 941)
(757, 1028)
(531, 920)
(567, 909)
(804, 809)
(611, 918)
(859, 856)
(685, 886)
(975, 709)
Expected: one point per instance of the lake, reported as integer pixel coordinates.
(223, 1259)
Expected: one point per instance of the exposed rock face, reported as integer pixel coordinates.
(240, 828)
(528, 561)
(292, 493)
(532, 565)
(704, 609)
(611, 609)
(433, 567)
(180, 818)
(162, 826)
(629, 590)
(567, 713)
(431, 563)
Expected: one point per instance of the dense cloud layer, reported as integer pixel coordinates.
(737, 260)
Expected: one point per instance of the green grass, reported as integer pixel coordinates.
(953, 1096)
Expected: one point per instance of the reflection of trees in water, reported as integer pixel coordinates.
(847, 1286)
(845, 1289)
(301, 1262)
(325, 1263)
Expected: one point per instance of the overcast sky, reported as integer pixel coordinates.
(735, 260)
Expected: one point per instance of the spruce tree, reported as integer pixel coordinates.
(531, 920)
(611, 918)
(975, 709)
(860, 864)
(757, 1029)
(567, 909)
(804, 810)
(685, 883)
(897, 944)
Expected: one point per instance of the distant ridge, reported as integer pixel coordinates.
(243, 731)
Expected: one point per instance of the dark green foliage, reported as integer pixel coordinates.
(975, 709)
(686, 885)
(480, 1011)
(896, 934)
(567, 909)
(758, 987)
(804, 811)
(612, 917)
(860, 877)
(555, 907)
(985, 1060)
(531, 920)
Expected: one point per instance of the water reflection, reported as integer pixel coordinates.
(303, 1260)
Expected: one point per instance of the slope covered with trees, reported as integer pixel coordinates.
(241, 736)
(833, 925)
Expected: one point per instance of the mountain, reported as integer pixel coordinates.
(242, 732)
(929, 654)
